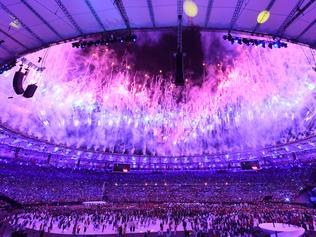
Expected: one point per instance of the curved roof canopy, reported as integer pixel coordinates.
(27, 25)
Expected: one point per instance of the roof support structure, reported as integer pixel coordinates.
(69, 16)
(120, 7)
(180, 13)
(7, 50)
(268, 8)
(306, 29)
(14, 39)
(297, 12)
(151, 12)
(208, 12)
(27, 49)
(94, 13)
(289, 17)
(2, 59)
(179, 77)
(8, 11)
(236, 14)
(41, 18)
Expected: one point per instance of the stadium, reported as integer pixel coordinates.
(158, 117)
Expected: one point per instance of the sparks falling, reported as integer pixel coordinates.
(250, 98)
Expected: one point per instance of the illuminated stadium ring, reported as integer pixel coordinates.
(28, 150)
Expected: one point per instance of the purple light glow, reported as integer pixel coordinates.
(249, 99)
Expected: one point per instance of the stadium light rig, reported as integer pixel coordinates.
(105, 41)
(8, 66)
(32, 65)
(254, 42)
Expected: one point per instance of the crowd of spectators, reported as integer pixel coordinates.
(282, 185)
(196, 202)
(32, 184)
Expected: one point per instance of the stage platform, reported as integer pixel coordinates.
(282, 230)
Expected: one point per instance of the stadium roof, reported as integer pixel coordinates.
(27, 25)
